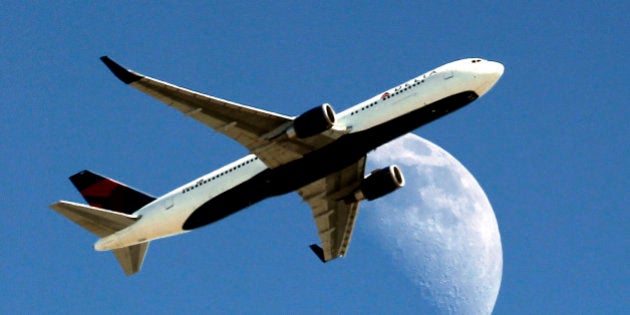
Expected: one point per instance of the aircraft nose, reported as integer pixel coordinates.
(490, 72)
(497, 68)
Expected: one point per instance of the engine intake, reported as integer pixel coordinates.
(313, 122)
(380, 183)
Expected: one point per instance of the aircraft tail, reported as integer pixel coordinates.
(131, 258)
(107, 193)
(104, 222)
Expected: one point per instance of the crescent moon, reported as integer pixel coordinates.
(440, 228)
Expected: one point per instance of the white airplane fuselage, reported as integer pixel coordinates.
(369, 124)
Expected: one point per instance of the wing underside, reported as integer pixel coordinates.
(334, 211)
(260, 131)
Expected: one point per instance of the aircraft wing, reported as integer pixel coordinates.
(333, 212)
(258, 130)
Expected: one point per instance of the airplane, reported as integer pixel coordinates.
(320, 154)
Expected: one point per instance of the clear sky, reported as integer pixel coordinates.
(549, 144)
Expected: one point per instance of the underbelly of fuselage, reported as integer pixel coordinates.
(332, 158)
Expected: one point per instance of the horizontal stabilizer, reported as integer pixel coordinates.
(103, 223)
(96, 220)
(131, 258)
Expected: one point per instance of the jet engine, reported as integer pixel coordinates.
(312, 122)
(380, 183)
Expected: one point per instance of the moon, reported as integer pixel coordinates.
(440, 228)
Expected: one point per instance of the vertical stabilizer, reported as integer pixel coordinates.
(106, 193)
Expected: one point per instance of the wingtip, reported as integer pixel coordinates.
(319, 252)
(55, 205)
(121, 73)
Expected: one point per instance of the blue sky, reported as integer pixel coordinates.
(549, 145)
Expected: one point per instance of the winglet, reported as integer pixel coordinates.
(121, 73)
(319, 252)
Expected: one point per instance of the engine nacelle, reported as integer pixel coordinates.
(380, 183)
(314, 121)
